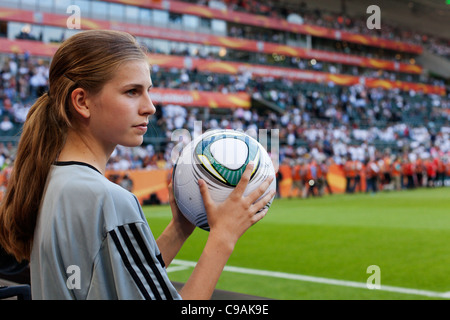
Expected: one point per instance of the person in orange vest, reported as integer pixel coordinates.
(420, 171)
(440, 172)
(372, 174)
(319, 183)
(312, 174)
(285, 175)
(350, 174)
(323, 183)
(359, 168)
(447, 171)
(279, 177)
(408, 173)
(297, 183)
(385, 171)
(5, 174)
(430, 167)
(396, 172)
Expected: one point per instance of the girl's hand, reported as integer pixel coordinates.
(178, 219)
(231, 218)
(227, 221)
(175, 234)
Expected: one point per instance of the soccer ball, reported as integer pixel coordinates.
(219, 157)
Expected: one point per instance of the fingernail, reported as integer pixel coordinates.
(200, 182)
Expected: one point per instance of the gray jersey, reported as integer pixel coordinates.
(92, 241)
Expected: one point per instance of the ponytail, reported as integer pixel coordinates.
(41, 141)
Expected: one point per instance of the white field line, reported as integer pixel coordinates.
(173, 268)
(178, 265)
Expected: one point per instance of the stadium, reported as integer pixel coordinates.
(353, 104)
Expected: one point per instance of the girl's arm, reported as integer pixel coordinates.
(228, 221)
(173, 237)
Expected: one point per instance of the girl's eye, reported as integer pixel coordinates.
(132, 92)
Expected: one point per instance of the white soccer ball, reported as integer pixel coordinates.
(219, 157)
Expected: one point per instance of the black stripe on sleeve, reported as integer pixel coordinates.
(138, 261)
(148, 257)
(161, 260)
(129, 266)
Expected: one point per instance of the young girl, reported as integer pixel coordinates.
(66, 218)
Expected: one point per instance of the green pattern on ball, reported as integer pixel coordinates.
(232, 177)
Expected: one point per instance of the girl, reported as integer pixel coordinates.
(66, 218)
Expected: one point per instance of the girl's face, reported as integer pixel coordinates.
(121, 109)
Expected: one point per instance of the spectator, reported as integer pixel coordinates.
(6, 124)
(126, 182)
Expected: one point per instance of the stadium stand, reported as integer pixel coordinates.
(338, 93)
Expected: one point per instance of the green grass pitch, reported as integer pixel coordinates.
(405, 233)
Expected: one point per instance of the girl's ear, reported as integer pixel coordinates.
(79, 102)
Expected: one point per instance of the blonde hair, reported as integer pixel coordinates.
(86, 60)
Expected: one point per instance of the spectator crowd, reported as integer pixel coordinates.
(390, 138)
(328, 125)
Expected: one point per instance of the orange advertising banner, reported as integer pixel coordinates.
(265, 47)
(209, 99)
(35, 48)
(207, 39)
(155, 182)
(273, 23)
(145, 182)
(224, 67)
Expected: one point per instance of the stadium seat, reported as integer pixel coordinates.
(14, 272)
(22, 292)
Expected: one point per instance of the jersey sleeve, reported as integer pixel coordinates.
(133, 265)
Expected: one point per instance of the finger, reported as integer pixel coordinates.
(262, 188)
(207, 200)
(245, 178)
(258, 216)
(170, 189)
(261, 203)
